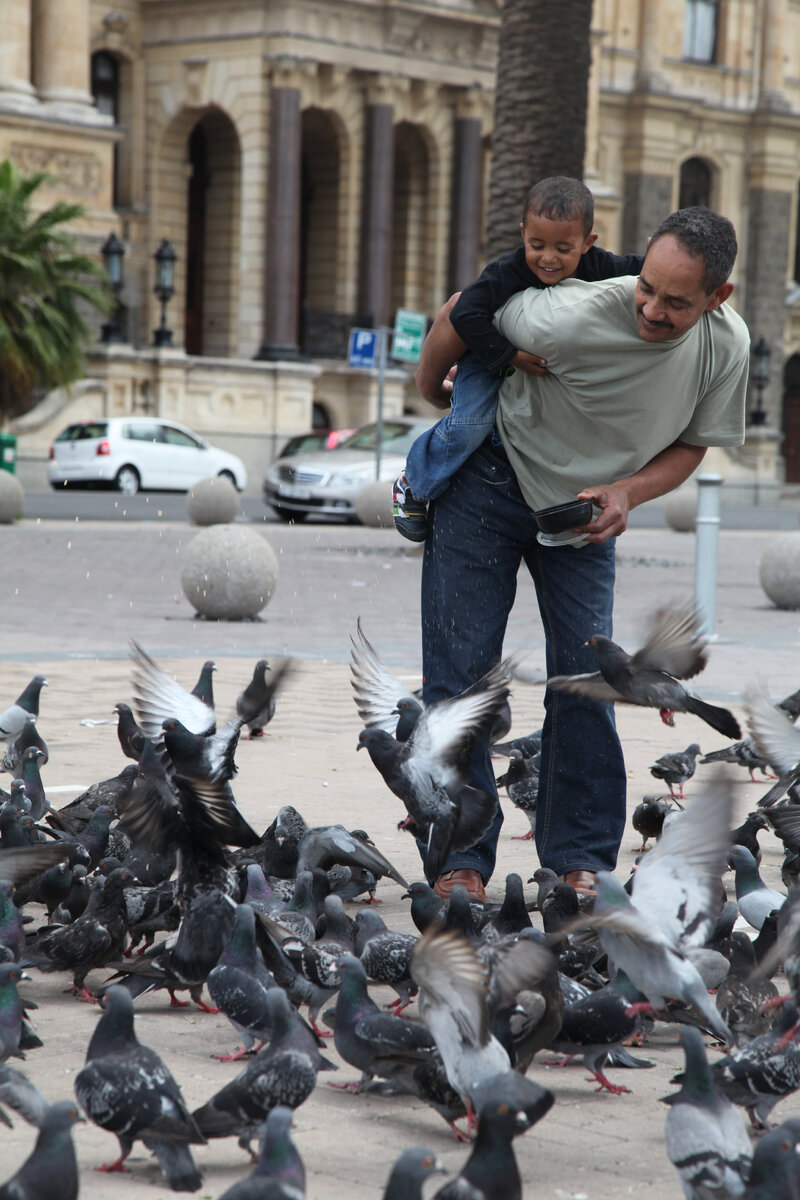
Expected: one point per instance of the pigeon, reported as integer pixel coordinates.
(12, 1011)
(775, 1169)
(51, 1168)
(284, 1073)
(377, 691)
(158, 698)
(778, 740)
(386, 956)
(12, 932)
(363, 1035)
(239, 983)
(744, 996)
(764, 1071)
(21, 1096)
(673, 651)
(201, 758)
(31, 777)
(529, 745)
(125, 1088)
(649, 816)
(746, 834)
(13, 718)
(742, 754)
(706, 1139)
(412, 1168)
(756, 901)
(426, 907)
(325, 845)
(131, 737)
(279, 1173)
(430, 771)
(15, 753)
(512, 916)
(110, 793)
(521, 782)
(256, 704)
(595, 1025)
(676, 768)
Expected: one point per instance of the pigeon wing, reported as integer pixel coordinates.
(449, 972)
(592, 685)
(775, 737)
(159, 697)
(376, 689)
(674, 644)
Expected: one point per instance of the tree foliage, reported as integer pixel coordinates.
(541, 95)
(43, 282)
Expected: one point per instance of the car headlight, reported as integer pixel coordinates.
(354, 477)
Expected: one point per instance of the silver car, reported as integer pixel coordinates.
(328, 483)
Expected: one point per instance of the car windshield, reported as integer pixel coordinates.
(397, 437)
(83, 431)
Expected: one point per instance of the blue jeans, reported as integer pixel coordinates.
(479, 532)
(443, 449)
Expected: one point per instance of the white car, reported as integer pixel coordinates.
(133, 453)
(328, 483)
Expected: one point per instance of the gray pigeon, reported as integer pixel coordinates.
(256, 704)
(52, 1168)
(21, 1096)
(676, 768)
(126, 1088)
(12, 1011)
(764, 1071)
(756, 901)
(385, 955)
(239, 984)
(674, 650)
(777, 739)
(521, 782)
(279, 1173)
(15, 752)
(706, 1139)
(325, 845)
(413, 1167)
(13, 718)
(775, 1169)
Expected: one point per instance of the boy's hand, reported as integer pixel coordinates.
(531, 363)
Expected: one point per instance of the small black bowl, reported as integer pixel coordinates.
(562, 517)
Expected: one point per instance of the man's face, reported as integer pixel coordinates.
(669, 297)
(553, 248)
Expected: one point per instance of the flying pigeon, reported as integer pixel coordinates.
(673, 651)
(256, 704)
(377, 690)
(158, 698)
(12, 719)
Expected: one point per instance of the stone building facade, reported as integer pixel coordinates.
(318, 164)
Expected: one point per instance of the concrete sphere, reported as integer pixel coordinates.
(779, 570)
(12, 498)
(212, 501)
(680, 509)
(229, 572)
(374, 504)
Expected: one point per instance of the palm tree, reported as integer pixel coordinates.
(543, 62)
(43, 281)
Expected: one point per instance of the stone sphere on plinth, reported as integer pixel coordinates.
(229, 572)
(212, 501)
(779, 570)
(374, 504)
(680, 509)
(12, 498)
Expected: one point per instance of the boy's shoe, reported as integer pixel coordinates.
(410, 515)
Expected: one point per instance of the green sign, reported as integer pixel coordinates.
(409, 334)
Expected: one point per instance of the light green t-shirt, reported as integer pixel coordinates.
(612, 401)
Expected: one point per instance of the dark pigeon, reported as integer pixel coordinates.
(764, 1071)
(256, 704)
(279, 1173)
(201, 757)
(125, 1088)
(13, 718)
(239, 983)
(529, 745)
(326, 845)
(52, 1159)
(110, 793)
(595, 1025)
(31, 777)
(744, 992)
(650, 678)
(775, 1169)
(12, 1012)
(413, 1167)
(513, 914)
(27, 737)
(385, 955)
(158, 698)
(12, 932)
(131, 737)
(521, 782)
(676, 768)
(649, 816)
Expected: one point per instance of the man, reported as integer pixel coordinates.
(642, 375)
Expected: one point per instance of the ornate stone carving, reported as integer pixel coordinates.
(116, 22)
(69, 170)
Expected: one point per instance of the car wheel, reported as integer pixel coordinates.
(229, 476)
(127, 481)
(286, 514)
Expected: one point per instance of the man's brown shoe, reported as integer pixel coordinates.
(582, 881)
(471, 880)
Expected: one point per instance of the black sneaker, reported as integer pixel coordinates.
(410, 515)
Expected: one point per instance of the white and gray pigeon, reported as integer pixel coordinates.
(706, 1138)
(13, 718)
(158, 698)
(755, 899)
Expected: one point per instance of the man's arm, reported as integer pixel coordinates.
(663, 473)
(441, 349)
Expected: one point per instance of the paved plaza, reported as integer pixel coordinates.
(72, 598)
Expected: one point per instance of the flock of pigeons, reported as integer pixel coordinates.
(155, 877)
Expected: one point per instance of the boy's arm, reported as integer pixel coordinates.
(472, 316)
(440, 350)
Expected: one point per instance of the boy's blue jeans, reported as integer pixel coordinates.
(479, 532)
(440, 451)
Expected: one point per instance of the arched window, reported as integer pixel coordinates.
(695, 186)
(105, 89)
(700, 30)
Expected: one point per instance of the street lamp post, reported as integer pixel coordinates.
(760, 376)
(113, 251)
(165, 258)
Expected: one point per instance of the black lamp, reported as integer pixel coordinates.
(165, 258)
(760, 377)
(113, 251)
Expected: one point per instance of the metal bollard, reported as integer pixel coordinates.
(705, 552)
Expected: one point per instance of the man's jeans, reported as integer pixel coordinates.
(479, 531)
(439, 452)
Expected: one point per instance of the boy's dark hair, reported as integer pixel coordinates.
(703, 234)
(561, 198)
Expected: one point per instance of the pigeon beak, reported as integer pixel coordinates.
(522, 1120)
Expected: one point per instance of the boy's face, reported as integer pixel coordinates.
(553, 248)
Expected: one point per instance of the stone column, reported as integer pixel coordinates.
(465, 203)
(773, 41)
(61, 51)
(16, 90)
(651, 48)
(282, 272)
(375, 264)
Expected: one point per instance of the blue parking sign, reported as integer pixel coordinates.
(363, 349)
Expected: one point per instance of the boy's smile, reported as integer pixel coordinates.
(553, 248)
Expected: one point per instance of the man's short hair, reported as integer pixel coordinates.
(703, 234)
(561, 198)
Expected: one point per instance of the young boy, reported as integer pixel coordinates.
(558, 243)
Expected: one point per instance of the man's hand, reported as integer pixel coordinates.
(614, 501)
(532, 363)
